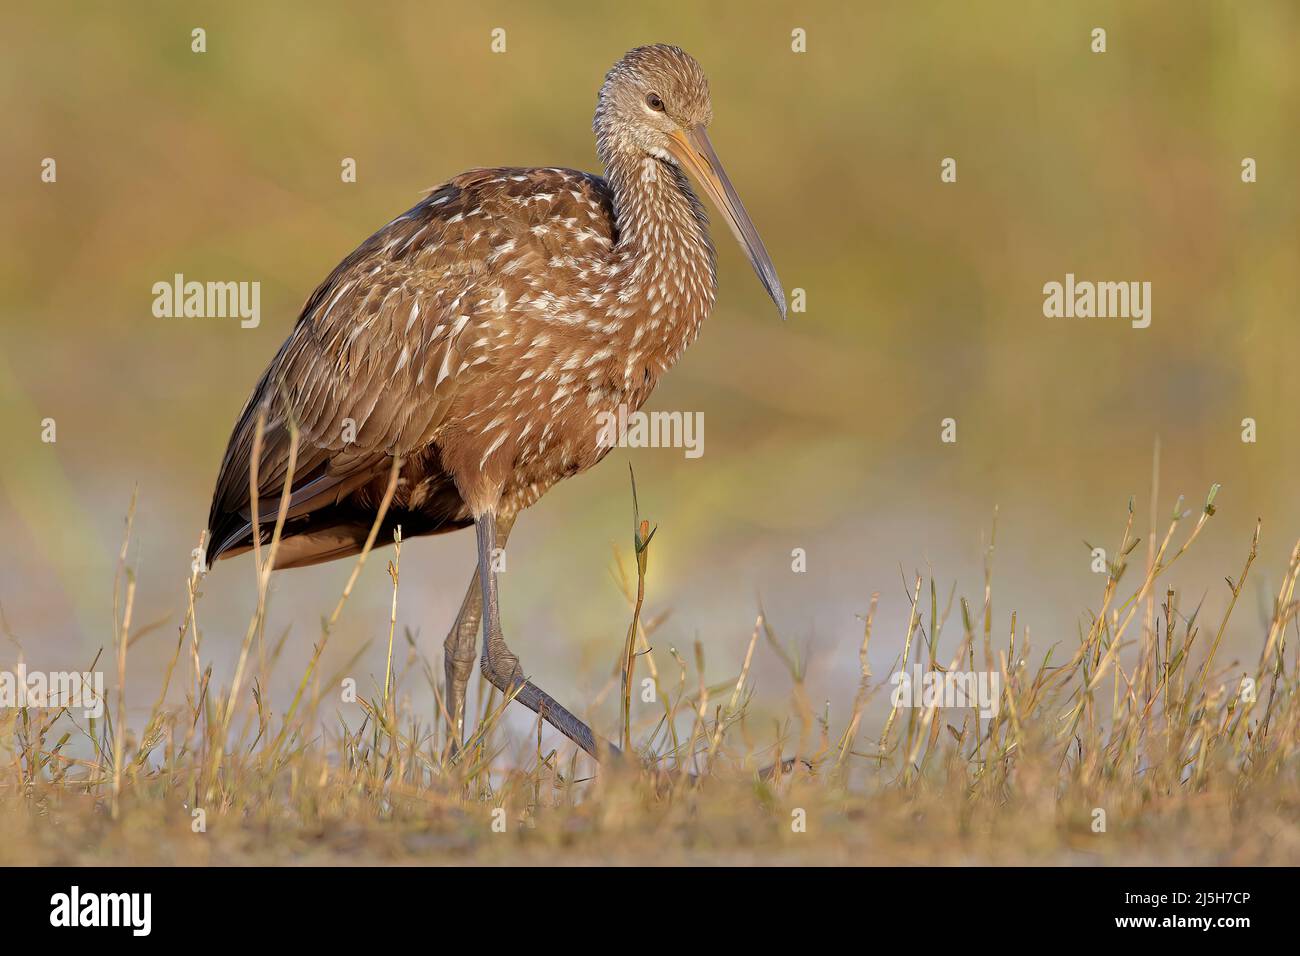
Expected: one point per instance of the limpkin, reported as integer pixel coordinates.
(473, 343)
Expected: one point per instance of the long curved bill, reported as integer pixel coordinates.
(693, 150)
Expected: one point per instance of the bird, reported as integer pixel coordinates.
(457, 363)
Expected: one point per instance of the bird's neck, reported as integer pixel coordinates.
(664, 260)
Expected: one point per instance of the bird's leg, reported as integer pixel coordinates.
(460, 650)
(501, 667)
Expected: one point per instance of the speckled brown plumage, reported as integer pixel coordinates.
(434, 338)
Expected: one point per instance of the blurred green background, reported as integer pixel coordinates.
(924, 301)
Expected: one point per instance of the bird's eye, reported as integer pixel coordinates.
(653, 101)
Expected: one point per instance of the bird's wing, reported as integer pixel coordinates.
(382, 346)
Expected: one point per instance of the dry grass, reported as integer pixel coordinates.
(1187, 768)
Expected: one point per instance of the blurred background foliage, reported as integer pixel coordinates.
(924, 301)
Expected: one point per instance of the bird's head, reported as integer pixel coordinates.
(655, 101)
